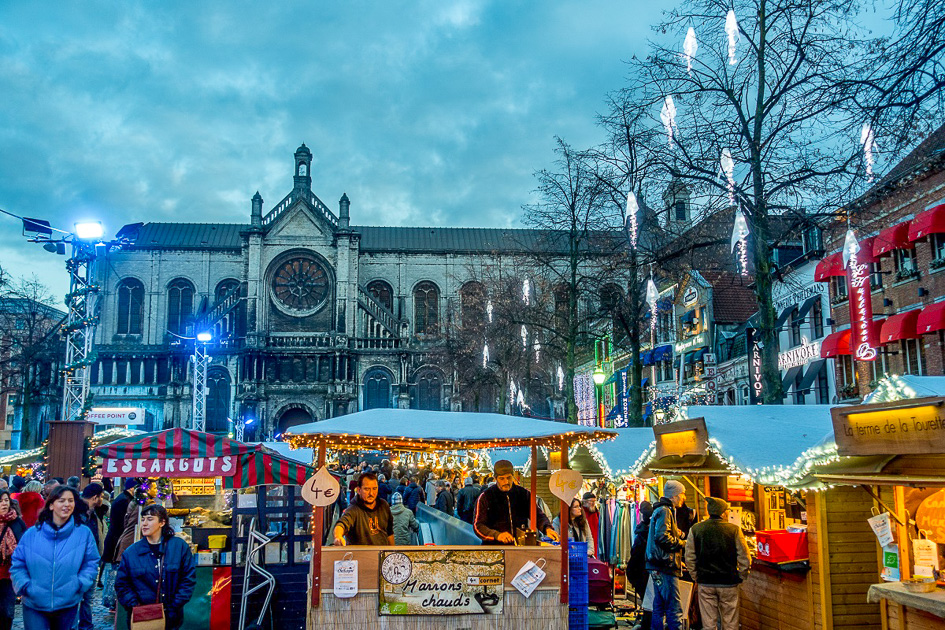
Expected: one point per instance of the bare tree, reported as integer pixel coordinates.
(775, 94)
(30, 351)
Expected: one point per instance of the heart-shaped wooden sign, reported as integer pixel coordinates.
(565, 484)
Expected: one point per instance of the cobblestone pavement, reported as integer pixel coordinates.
(103, 618)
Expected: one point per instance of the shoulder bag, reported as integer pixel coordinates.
(150, 616)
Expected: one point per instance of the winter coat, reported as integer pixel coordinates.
(716, 553)
(31, 504)
(18, 527)
(53, 568)
(413, 496)
(383, 492)
(498, 512)
(636, 565)
(665, 544)
(404, 523)
(94, 522)
(430, 490)
(577, 534)
(444, 501)
(116, 525)
(466, 502)
(137, 577)
(130, 530)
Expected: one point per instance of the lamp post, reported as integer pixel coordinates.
(201, 361)
(599, 378)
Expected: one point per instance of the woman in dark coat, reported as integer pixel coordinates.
(158, 553)
(12, 529)
(637, 574)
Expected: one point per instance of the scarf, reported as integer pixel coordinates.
(8, 542)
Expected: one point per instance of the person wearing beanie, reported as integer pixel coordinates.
(718, 560)
(592, 516)
(664, 558)
(405, 523)
(466, 500)
(505, 507)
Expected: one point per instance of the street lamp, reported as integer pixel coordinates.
(599, 377)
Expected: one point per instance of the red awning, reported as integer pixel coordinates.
(932, 221)
(830, 266)
(931, 318)
(895, 237)
(866, 254)
(878, 330)
(835, 344)
(901, 326)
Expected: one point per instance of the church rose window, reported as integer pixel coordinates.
(301, 285)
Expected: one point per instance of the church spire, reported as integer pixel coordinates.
(344, 212)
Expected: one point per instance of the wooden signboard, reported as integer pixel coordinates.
(686, 437)
(912, 427)
(931, 517)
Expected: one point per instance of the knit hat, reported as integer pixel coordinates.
(92, 490)
(397, 499)
(673, 488)
(646, 509)
(715, 506)
(588, 495)
(131, 484)
(503, 467)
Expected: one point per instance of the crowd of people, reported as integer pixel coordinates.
(60, 547)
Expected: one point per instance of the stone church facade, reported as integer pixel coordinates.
(311, 316)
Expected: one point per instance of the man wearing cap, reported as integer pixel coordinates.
(664, 558)
(718, 560)
(504, 507)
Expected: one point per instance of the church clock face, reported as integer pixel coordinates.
(300, 286)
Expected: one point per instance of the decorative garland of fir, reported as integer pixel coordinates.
(163, 488)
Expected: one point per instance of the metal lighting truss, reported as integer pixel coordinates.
(201, 361)
(79, 330)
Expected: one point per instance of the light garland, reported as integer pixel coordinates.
(731, 29)
(632, 208)
(690, 46)
(668, 117)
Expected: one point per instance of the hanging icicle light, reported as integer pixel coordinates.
(520, 399)
(524, 337)
(728, 170)
(868, 140)
(560, 378)
(740, 239)
(489, 310)
(731, 29)
(485, 356)
(690, 46)
(512, 390)
(526, 290)
(668, 116)
(652, 297)
(537, 351)
(632, 208)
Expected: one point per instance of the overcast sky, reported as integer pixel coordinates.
(426, 112)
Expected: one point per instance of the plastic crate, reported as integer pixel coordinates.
(780, 545)
(577, 618)
(577, 588)
(577, 551)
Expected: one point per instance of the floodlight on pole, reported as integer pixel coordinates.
(204, 337)
(201, 361)
(89, 230)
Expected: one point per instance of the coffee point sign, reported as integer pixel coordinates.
(914, 427)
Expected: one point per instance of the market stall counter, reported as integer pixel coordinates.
(474, 587)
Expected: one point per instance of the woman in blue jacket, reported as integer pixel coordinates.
(55, 563)
(158, 553)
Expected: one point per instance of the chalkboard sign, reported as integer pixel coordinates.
(931, 516)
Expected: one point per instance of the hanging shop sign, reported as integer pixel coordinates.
(224, 466)
(116, 415)
(756, 383)
(861, 310)
(801, 355)
(930, 517)
(897, 428)
(321, 489)
(442, 582)
(690, 296)
(686, 437)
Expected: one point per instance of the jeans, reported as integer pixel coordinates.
(55, 620)
(108, 590)
(85, 611)
(666, 602)
(7, 604)
(719, 604)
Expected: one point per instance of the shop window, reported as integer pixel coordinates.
(816, 315)
(130, 307)
(839, 288)
(905, 263)
(426, 304)
(847, 370)
(912, 356)
(938, 248)
(664, 325)
(799, 394)
(795, 329)
(880, 367)
(876, 275)
(823, 388)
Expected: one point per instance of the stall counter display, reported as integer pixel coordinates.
(195, 486)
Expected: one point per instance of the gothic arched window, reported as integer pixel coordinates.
(426, 304)
(130, 307)
(472, 300)
(383, 293)
(377, 382)
(427, 393)
(227, 326)
(180, 306)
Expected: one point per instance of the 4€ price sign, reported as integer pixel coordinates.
(321, 489)
(565, 484)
